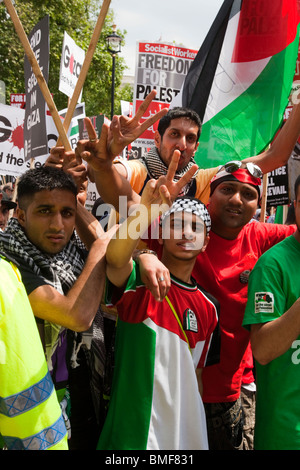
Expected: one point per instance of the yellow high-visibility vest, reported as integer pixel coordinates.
(30, 415)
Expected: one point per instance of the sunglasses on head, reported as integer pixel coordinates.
(231, 167)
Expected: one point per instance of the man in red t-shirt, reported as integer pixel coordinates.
(234, 247)
(223, 270)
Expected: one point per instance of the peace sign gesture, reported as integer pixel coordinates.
(124, 130)
(114, 138)
(175, 187)
(94, 150)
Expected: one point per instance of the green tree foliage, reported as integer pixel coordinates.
(78, 19)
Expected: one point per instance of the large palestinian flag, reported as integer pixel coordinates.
(241, 78)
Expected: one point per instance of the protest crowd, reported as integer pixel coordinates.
(138, 340)
(169, 322)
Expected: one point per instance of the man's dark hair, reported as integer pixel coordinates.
(296, 186)
(43, 178)
(175, 113)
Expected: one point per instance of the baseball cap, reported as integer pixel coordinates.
(6, 201)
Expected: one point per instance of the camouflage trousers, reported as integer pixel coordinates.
(230, 425)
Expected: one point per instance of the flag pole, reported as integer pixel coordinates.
(85, 66)
(38, 73)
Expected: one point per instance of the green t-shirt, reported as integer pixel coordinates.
(273, 288)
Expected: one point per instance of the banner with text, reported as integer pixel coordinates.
(70, 66)
(18, 100)
(12, 119)
(35, 134)
(278, 187)
(162, 67)
(11, 141)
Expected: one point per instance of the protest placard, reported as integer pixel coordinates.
(70, 66)
(12, 161)
(18, 100)
(162, 67)
(278, 187)
(35, 133)
(11, 141)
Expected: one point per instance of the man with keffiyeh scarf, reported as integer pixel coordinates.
(64, 278)
(178, 129)
(64, 283)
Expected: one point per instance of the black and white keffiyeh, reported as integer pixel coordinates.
(61, 272)
(190, 205)
(156, 168)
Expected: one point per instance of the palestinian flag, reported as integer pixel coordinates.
(241, 78)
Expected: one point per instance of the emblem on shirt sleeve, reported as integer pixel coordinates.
(190, 321)
(264, 302)
(244, 276)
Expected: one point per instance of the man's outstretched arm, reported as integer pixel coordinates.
(77, 309)
(155, 200)
(111, 179)
(280, 150)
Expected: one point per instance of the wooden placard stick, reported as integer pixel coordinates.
(38, 73)
(264, 198)
(85, 66)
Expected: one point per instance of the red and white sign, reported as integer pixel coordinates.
(18, 100)
(162, 67)
(12, 160)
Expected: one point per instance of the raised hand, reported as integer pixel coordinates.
(94, 150)
(56, 157)
(175, 187)
(66, 161)
(156, 198)
(77, 170)
(155, 194)
(124, 130)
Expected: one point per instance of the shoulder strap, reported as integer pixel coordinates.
(178, 320)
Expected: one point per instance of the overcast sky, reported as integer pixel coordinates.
(185, 22)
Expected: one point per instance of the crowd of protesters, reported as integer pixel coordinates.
(139, 339)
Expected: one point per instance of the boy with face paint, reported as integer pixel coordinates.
(160, 346)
